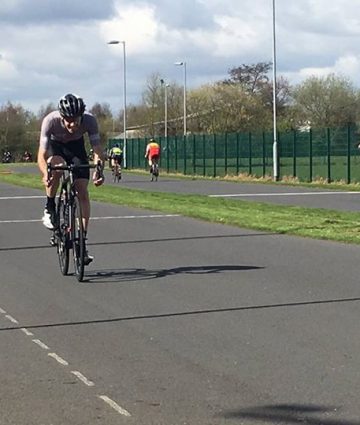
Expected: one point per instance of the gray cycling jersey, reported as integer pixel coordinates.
(52, 128)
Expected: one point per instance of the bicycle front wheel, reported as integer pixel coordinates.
(78, 239)
(62, 232)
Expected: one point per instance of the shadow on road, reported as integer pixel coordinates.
(290, 414)
(126, 275)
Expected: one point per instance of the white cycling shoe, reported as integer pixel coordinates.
(48, 219)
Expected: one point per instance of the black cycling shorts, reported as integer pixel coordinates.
(73, 152)
(118, 158)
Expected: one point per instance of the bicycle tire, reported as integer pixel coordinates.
(62, 231)
(78, 239)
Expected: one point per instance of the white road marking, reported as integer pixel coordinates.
(83, 378)
(282, 194)
(58, 359)
(100, 218)
(2, 311)
(26, 332)
(11, 318)
(135, 216)
(21, 197)
(114, 405)
(40, 344)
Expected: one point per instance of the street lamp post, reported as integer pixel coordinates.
(124, 95)
(275, 142)
(165, 106)
(184, 65)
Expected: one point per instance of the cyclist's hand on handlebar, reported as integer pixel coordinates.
(98, 175)
(47, 180)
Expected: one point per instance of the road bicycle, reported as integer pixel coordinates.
(116, 173)
(68, 233)
(154, 170)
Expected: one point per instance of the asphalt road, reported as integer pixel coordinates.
(178, 322)
(278, 194)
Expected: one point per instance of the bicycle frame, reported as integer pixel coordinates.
(69, 230)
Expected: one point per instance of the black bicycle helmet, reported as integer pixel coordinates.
(71, 106)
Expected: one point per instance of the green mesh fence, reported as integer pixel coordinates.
(327, 154)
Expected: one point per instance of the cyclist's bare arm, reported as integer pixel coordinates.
(98, 157)
(42, 164)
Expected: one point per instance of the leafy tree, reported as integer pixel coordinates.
(329, 101)
(250, 77)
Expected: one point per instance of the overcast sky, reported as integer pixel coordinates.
(51, 47)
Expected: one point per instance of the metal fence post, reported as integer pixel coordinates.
(348, 180)
(237, 153)
(264, 155)
(310, 155)
(250, 154)
(294, 153)
(214, 174)
(204, 156)
(328, 156)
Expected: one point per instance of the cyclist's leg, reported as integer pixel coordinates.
(49, 216)
(81, 185)
(150, 163)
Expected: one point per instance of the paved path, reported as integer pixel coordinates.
(272, 193)
(178, 322)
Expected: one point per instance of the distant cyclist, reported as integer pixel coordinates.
(116, 156)
(152, 153)
(62, 141)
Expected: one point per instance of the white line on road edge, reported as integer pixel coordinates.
(114, 405)
(100, 218)
(40, 344)
(58, 359)
(83, 378)
(135, 216)
(21, 197)
(26, 332)
(282, 194)
(11, 318)
(2, 311)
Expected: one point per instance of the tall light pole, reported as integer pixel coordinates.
(275, 142)
(165, 105)
(124, 94)
(184, 65)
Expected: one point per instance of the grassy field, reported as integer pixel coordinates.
(307, 222)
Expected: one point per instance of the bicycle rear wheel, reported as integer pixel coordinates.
(78, 239)
(62, 232)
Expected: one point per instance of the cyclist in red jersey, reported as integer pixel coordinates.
(152, 153)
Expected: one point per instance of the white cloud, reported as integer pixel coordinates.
(49, 48)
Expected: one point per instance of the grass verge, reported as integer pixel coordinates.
(316, 223)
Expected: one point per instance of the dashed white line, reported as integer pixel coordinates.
(114, 405)
(26, 332)
(58, 359)
(2, 311)
(40, 344)
(11, 319)
(83, 378)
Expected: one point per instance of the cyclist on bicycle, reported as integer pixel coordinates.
(62, 141)
(116, 155)
(152, 153)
